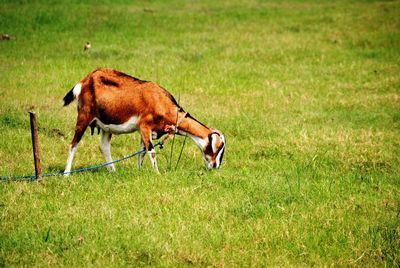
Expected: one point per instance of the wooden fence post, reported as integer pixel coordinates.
(35, 145)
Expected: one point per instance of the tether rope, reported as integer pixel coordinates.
(34, 177)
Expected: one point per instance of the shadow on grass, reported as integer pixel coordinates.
(57, 170)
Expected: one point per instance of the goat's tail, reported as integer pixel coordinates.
(72, 94)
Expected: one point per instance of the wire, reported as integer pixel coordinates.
(34, 177)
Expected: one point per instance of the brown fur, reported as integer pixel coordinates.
(114, 97)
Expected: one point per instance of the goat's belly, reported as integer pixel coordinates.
(127, 127)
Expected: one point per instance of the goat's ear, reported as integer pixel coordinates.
(214, 142)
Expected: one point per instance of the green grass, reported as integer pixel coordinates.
(307, 94)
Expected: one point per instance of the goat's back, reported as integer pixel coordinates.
(116, 96)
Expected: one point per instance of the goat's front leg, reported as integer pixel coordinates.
(141, 155)
(146, 139)
(105, 148)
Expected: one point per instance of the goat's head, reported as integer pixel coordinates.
(214, 150)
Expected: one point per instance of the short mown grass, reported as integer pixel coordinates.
(307, 94)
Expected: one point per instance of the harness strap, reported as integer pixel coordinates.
(171, 130)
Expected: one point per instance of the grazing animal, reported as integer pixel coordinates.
(118, 103)
(87, 46)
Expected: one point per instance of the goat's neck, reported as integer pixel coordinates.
(195, 130)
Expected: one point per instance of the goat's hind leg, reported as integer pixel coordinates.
(71, 154)
(105, 148)
(81, 125)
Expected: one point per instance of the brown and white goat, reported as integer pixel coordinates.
(118, 103)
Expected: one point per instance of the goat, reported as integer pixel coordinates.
(118, 103)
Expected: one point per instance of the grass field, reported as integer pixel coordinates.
(307, 94)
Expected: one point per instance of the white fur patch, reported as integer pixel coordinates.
(77, 90)
(201, 143)
(71, 154)
(105, 145)
(214, 142)
(218, 158)
(127, 127)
